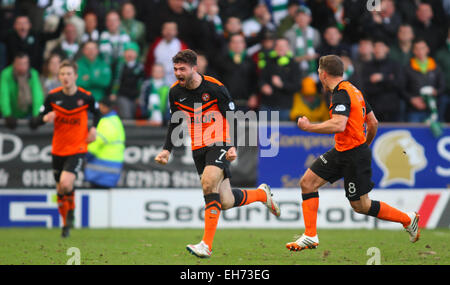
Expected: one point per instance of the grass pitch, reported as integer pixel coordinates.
(232, 247)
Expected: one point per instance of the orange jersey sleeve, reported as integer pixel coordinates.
(349, 101)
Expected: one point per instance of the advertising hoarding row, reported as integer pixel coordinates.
(170, 208)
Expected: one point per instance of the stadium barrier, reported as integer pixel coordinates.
(174, 208)
(411, 170)
(404, 156)
(25, 160)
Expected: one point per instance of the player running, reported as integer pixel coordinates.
(355, 126)
(204, 102)
(67, 108)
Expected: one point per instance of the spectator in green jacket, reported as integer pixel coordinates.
(443, 60)
(134, 28)
(93, 73)
(21, 94)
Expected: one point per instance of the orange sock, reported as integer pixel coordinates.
(389, 213)
(244, 197)
(63, 207)
(310, 206)
(71, 200)
(212, 214)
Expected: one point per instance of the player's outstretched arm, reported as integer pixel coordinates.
(372, 127)
(334, 125)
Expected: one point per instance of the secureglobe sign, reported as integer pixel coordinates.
(175, 208)
(403, 157)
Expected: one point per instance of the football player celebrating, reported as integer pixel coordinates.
(354, 124)
(204, 101)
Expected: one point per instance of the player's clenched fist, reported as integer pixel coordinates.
(50, 117)
(163, 157)
(231, 154)
(303, 123)
(92, 135)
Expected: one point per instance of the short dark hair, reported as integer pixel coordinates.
(21, 15)
(69, 63)
(381, 40)
(281, 39)
(21, 54)
(332, 64)
(366, 38)
(89, 42)
(112, 11)
(90, 12)
(419, 40)
(186, 56)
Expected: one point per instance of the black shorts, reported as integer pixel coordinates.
(355, 165)
(212, 155)
(71, 163)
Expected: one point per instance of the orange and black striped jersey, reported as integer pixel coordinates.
(71, 120)
(205, 108)
(347, 100)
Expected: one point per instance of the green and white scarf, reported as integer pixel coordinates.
(304, 45)
(111, 46)
(433, 119)
(133, 28)
(215, 19)
(70, 49)
(157, 97)
(279, 10)
(61, 7)
(349, 72)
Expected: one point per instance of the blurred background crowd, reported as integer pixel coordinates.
(264, 51)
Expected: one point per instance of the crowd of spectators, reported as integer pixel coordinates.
(265, 52)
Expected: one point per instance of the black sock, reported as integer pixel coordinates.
(310, 195)
(238, 196)
(374, 208)
(212, 197)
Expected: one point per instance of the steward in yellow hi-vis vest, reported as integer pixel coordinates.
(105, 154)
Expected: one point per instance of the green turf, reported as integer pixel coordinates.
(232, 247)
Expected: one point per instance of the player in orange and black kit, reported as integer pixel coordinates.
(354, 125)
(67, 107)
(205, 101)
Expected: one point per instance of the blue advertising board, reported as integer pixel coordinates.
(36, 210)
(404, 156)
